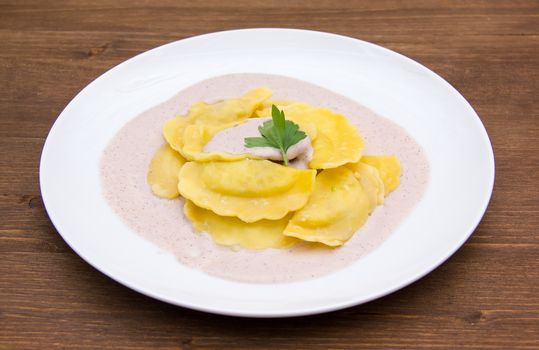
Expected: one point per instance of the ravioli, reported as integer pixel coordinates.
(173, 131)
(163, 172)
(389, 168)
(188, 134)
(231, 231)
(338, 207)
(369, 177)
(337, 142)
(249, 189)
(242, 201)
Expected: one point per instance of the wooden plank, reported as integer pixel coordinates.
(485, 297)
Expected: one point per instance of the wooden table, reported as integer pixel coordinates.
(485, 296)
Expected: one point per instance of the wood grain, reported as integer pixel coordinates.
(485, 297)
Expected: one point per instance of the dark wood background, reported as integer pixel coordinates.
(485, 296)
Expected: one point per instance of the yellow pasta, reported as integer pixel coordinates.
(389, 168)
(249, 189)
(231, 231)
(205, 120)
(336, 141)
(338, 207)
(253, 203)
(369, 177)
(163, 172)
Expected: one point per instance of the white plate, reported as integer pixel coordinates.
(434, 113)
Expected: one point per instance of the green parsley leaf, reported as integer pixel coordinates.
(277, 133)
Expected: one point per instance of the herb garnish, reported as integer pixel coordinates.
(277, 133)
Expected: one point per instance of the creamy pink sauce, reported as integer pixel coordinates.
(125, 162)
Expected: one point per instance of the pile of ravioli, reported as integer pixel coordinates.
(254, 203)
